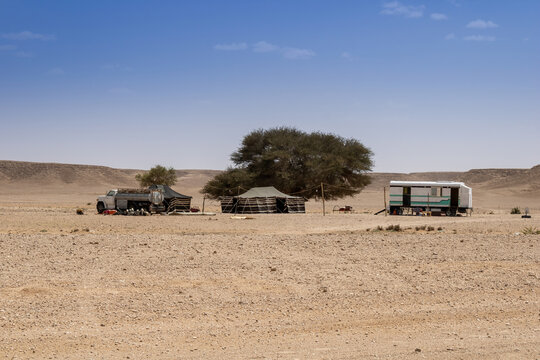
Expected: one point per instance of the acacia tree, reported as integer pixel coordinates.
(158, 175)
(295, 162)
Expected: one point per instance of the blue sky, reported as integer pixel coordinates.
(428, 86)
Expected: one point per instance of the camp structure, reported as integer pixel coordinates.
(447, 197)
(263, 200)
(173, 200)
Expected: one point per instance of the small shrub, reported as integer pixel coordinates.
(440, 228)
(88, 203)
(380, 228)
(80, 211)
(396, 227)
(515, 211)
(368, 229)
(418, 228)
(430, 228)
(530, 231)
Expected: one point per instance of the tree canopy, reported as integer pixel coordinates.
(295, 162)
(158, 175)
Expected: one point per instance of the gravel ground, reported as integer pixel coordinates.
(276, 286)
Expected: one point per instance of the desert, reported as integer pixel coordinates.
(305, 179)
(275, 286)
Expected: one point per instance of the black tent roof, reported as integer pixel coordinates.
(169, 193)
(268, 191)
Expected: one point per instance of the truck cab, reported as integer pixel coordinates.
(107, 202)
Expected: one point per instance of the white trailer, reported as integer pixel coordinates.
(447, 197)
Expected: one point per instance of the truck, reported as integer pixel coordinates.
(448, 197)
(151, 200)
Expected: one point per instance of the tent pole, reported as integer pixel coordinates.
(237, 193)
(323, 205)
(204, 198)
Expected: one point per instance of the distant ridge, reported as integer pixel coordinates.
(484, 178)
(57, 175)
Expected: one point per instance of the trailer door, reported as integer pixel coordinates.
(454, 197)
(407, 196)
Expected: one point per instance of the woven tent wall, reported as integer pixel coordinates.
(179, 204)
(228, 205)
(259, 205)
(263, 200)
(296, 206)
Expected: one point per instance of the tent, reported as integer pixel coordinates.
(263, 200)
(173, 200)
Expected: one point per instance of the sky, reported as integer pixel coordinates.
(446, 85)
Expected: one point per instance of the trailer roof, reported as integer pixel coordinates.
(428, 183)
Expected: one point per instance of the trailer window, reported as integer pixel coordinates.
(110, 193)
(435, 191)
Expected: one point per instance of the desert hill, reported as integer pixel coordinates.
(508, 179)
(491, 187)
(22, 174)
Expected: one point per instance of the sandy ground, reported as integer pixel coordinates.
(274, 287)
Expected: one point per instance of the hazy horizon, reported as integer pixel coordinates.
(209, 169)
(445, 85)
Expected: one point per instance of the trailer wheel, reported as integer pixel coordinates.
(100, 207)
(450, 212)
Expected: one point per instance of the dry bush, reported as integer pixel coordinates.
(530, 231)
(394, 228)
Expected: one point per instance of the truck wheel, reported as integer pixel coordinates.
(100, 207)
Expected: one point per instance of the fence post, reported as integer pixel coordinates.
(385, 212)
